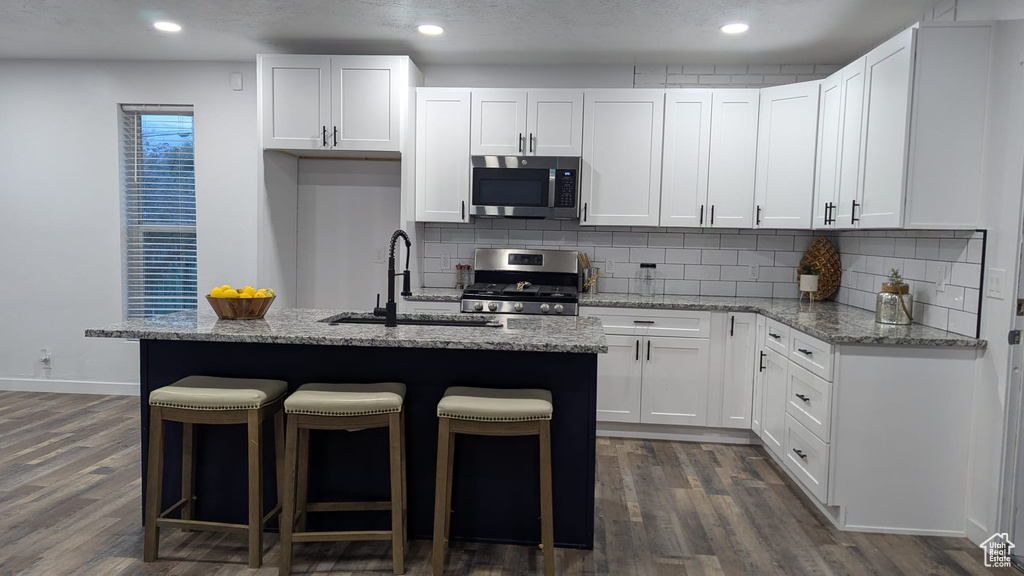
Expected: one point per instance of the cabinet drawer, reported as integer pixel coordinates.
(776, 337)
(806, 458)
(812, 354)
(809, 401)
(677, 323)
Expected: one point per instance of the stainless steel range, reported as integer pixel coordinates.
(510, 281)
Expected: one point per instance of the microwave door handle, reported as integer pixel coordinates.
(552, 187)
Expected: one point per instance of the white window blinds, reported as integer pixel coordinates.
(159, 209)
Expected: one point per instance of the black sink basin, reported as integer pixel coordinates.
(467, 322)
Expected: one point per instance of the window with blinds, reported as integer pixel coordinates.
(159, 209)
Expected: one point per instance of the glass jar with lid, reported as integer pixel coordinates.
(646, 285)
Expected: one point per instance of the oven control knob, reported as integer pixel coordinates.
(518, 306)
(478, 306)
(492, 306)
(544, 307)
(559, 308)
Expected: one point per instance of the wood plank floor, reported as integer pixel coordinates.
(70, 504)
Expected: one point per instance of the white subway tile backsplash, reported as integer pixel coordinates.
(962, 322)
(905, 247)
(738, 242)
(712, 288)
(682, 287)
(788, 258)
(968, 275)
(433, 250)
(665, 240)
(927, 249)
(971, 296)
(952, 297)
(458, 235)
(431, 264)
(670, 271)
(526, 237)
(953, 250)
(615, 254)
(934, 316)
(776, 274)
(915, 270)
(508, 224)
(798, 68)
(491, 236)
(439, 280)
(785, 290)
(698, 272)
(655, 255)
(775, 243)
(736, 273)
(974, 250)
(759, 258)
(560, 238)
(720, 257)
(638, 239)
(612, 285)
(468, 250)
(754, 289)
(764, 69)
(682, 256)
(874, 265)
(431, 235)
(702, 240)
(588, 238)
(877, 247)
(543, 225)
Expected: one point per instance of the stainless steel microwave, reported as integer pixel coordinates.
(526, 187)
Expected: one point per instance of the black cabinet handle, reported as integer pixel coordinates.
(462, 213)
(648, 350)
(760, 362)
(853, 213)
(758, 215)
(701, 214)
(584, 211)
(531, 141)
(802, 397)
(712, 214)
(828, 213)
(776, 336)
(335, 136)
(520, 142)
(643, 321)
(325, 136)
(638, 350)
(805, 351)
(800, 454)
(732, 325)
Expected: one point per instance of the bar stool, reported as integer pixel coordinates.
(210, 400)
(491, 412)
(342, 407)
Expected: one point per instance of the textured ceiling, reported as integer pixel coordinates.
(477, 31)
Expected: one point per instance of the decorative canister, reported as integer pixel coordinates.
(894, 305)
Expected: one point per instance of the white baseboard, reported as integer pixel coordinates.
(976, 532)
(70, 386)
(677, 433)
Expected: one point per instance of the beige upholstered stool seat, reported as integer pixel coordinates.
(213, 393)
(346, 399)
(495, 405)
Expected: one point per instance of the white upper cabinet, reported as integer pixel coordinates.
(442, 155)
(527, 123)
(848, 179)
(786, 151)
(684, 184)
(731, 168)
(621, 181)
(830, 132)
(332, 102)
(709, 158)
(887, 83)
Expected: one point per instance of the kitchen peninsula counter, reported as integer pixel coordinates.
(497, 491)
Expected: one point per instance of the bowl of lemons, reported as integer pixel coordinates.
(240, 303)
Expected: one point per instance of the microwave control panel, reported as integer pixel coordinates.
(565, 188)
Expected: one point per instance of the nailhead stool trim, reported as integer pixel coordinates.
(212, 400)
(342, 407)
(491, 412)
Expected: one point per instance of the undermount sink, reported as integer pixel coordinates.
(466, 322)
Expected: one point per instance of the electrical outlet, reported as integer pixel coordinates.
(752, 271)
(994, 283)
(379, 256)
(609, 267)
(446, 262)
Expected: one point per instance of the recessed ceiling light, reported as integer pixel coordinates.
(430, 29)
(167, 26)
(735, 28)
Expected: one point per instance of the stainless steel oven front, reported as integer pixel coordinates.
(526, 187)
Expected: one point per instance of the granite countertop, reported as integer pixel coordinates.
(830, 321)
(580, 335)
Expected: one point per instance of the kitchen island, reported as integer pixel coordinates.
(496, 494)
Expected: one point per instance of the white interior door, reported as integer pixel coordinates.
(684, 181)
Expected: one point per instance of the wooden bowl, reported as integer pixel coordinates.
(240, 308)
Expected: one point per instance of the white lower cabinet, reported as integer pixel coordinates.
(738, 370)
(773, 424)
(675, 380)
(757, 403)
(806, 457)
(618, 380)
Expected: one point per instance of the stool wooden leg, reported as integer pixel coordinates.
(287, 518)
(405, 480)
(255, 490)
(302, 483)
(279, 457)
(448, 488)
(397, 483)
(547, 531)
(441, 495)
(188, 471)
(154, 486)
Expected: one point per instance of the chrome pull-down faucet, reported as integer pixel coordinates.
(390, 311)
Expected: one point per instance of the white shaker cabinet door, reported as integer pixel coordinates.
(675, 380)
(621, 180)
(757, 413)
(554, 123)
(498, 123)
(830, 132)
(848, 192)
(786, 151)
(365, 102)
(733, 159)
(296, 102)
(773, 425)
(684, 182)
(887, 84)
(618, 380)
(738, 378)
(442, 155)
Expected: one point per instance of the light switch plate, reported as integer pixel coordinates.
(752, 272)
(995, 283)
(236, 81)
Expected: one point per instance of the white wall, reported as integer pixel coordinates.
(508, 76)
(347, 211)
(60, 229)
